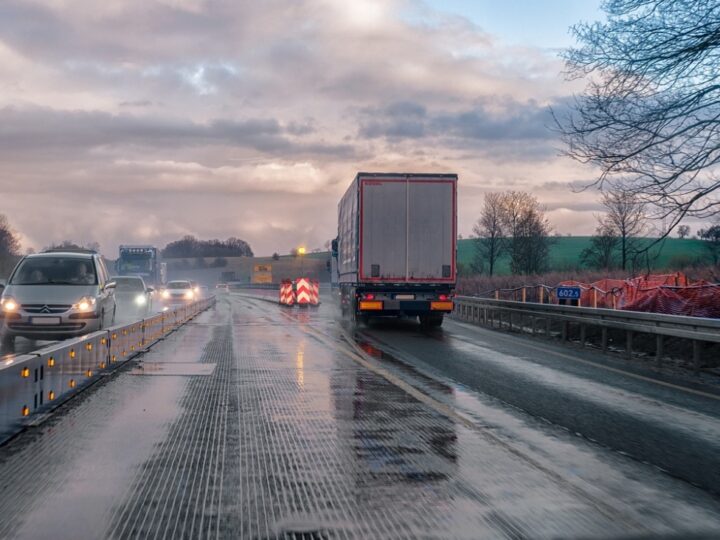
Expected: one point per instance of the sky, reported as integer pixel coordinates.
(141, 121)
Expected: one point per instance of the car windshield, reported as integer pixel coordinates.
(128, 284)
(55, 271)
(178, 285)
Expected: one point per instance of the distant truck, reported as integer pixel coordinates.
(141, 261)
(396, 246)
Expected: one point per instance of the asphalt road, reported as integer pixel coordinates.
(671, 422)
(256, 421)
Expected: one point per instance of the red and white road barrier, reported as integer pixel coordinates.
(303, 292)
(315, 298)
(287, 295)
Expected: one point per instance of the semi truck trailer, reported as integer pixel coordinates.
(396, 246)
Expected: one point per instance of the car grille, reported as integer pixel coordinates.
(49, 329)
(46, 308)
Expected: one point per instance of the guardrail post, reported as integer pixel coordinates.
(497, 294)
(541, 294)
(659, 342)
(510, 321)
(629, 343)
(604, 338)
(697, 348)
(594, 298)
(524, 295)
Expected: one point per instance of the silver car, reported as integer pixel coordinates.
(178, 292)
(133, 298)
(56, 295)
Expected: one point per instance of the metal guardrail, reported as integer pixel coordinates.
(526, 316)
(34, 383)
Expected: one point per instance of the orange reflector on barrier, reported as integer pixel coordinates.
(366, 305)
(441, 306)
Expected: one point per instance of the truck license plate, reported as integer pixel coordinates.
(404, 297)
(45, 321)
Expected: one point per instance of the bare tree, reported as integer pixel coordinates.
(683, 231)
(490, 243)
(528, 233)
(650, 115)
(9, 246)
(625, 218)
(602, 252)
(9, 243)
(711, 238)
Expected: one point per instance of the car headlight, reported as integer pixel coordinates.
(9, 304)
(166, 294)
(189, 295)
(140, 300)
(86, 303)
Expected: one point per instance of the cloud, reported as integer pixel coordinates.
(37, 129)
(236, 117)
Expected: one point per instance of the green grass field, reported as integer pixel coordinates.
(565, 253)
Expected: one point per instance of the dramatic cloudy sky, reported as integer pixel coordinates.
(144, 120)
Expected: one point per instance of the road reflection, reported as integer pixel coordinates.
(402, 450)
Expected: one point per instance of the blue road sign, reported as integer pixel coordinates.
(568, 293)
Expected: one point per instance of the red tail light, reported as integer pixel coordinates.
(443, 297)
(368, 296)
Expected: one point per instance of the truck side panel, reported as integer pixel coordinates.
(347, 235)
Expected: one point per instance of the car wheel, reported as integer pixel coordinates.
(7, 341)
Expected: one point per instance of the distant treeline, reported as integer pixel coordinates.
(191, 247)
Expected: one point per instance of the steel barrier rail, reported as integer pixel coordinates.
(493, 312)
(33, 383)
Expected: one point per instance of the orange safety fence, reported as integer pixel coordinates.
(673, 294)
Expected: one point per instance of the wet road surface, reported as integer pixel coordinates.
(254, 421)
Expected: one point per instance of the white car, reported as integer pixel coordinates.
(177, 293)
